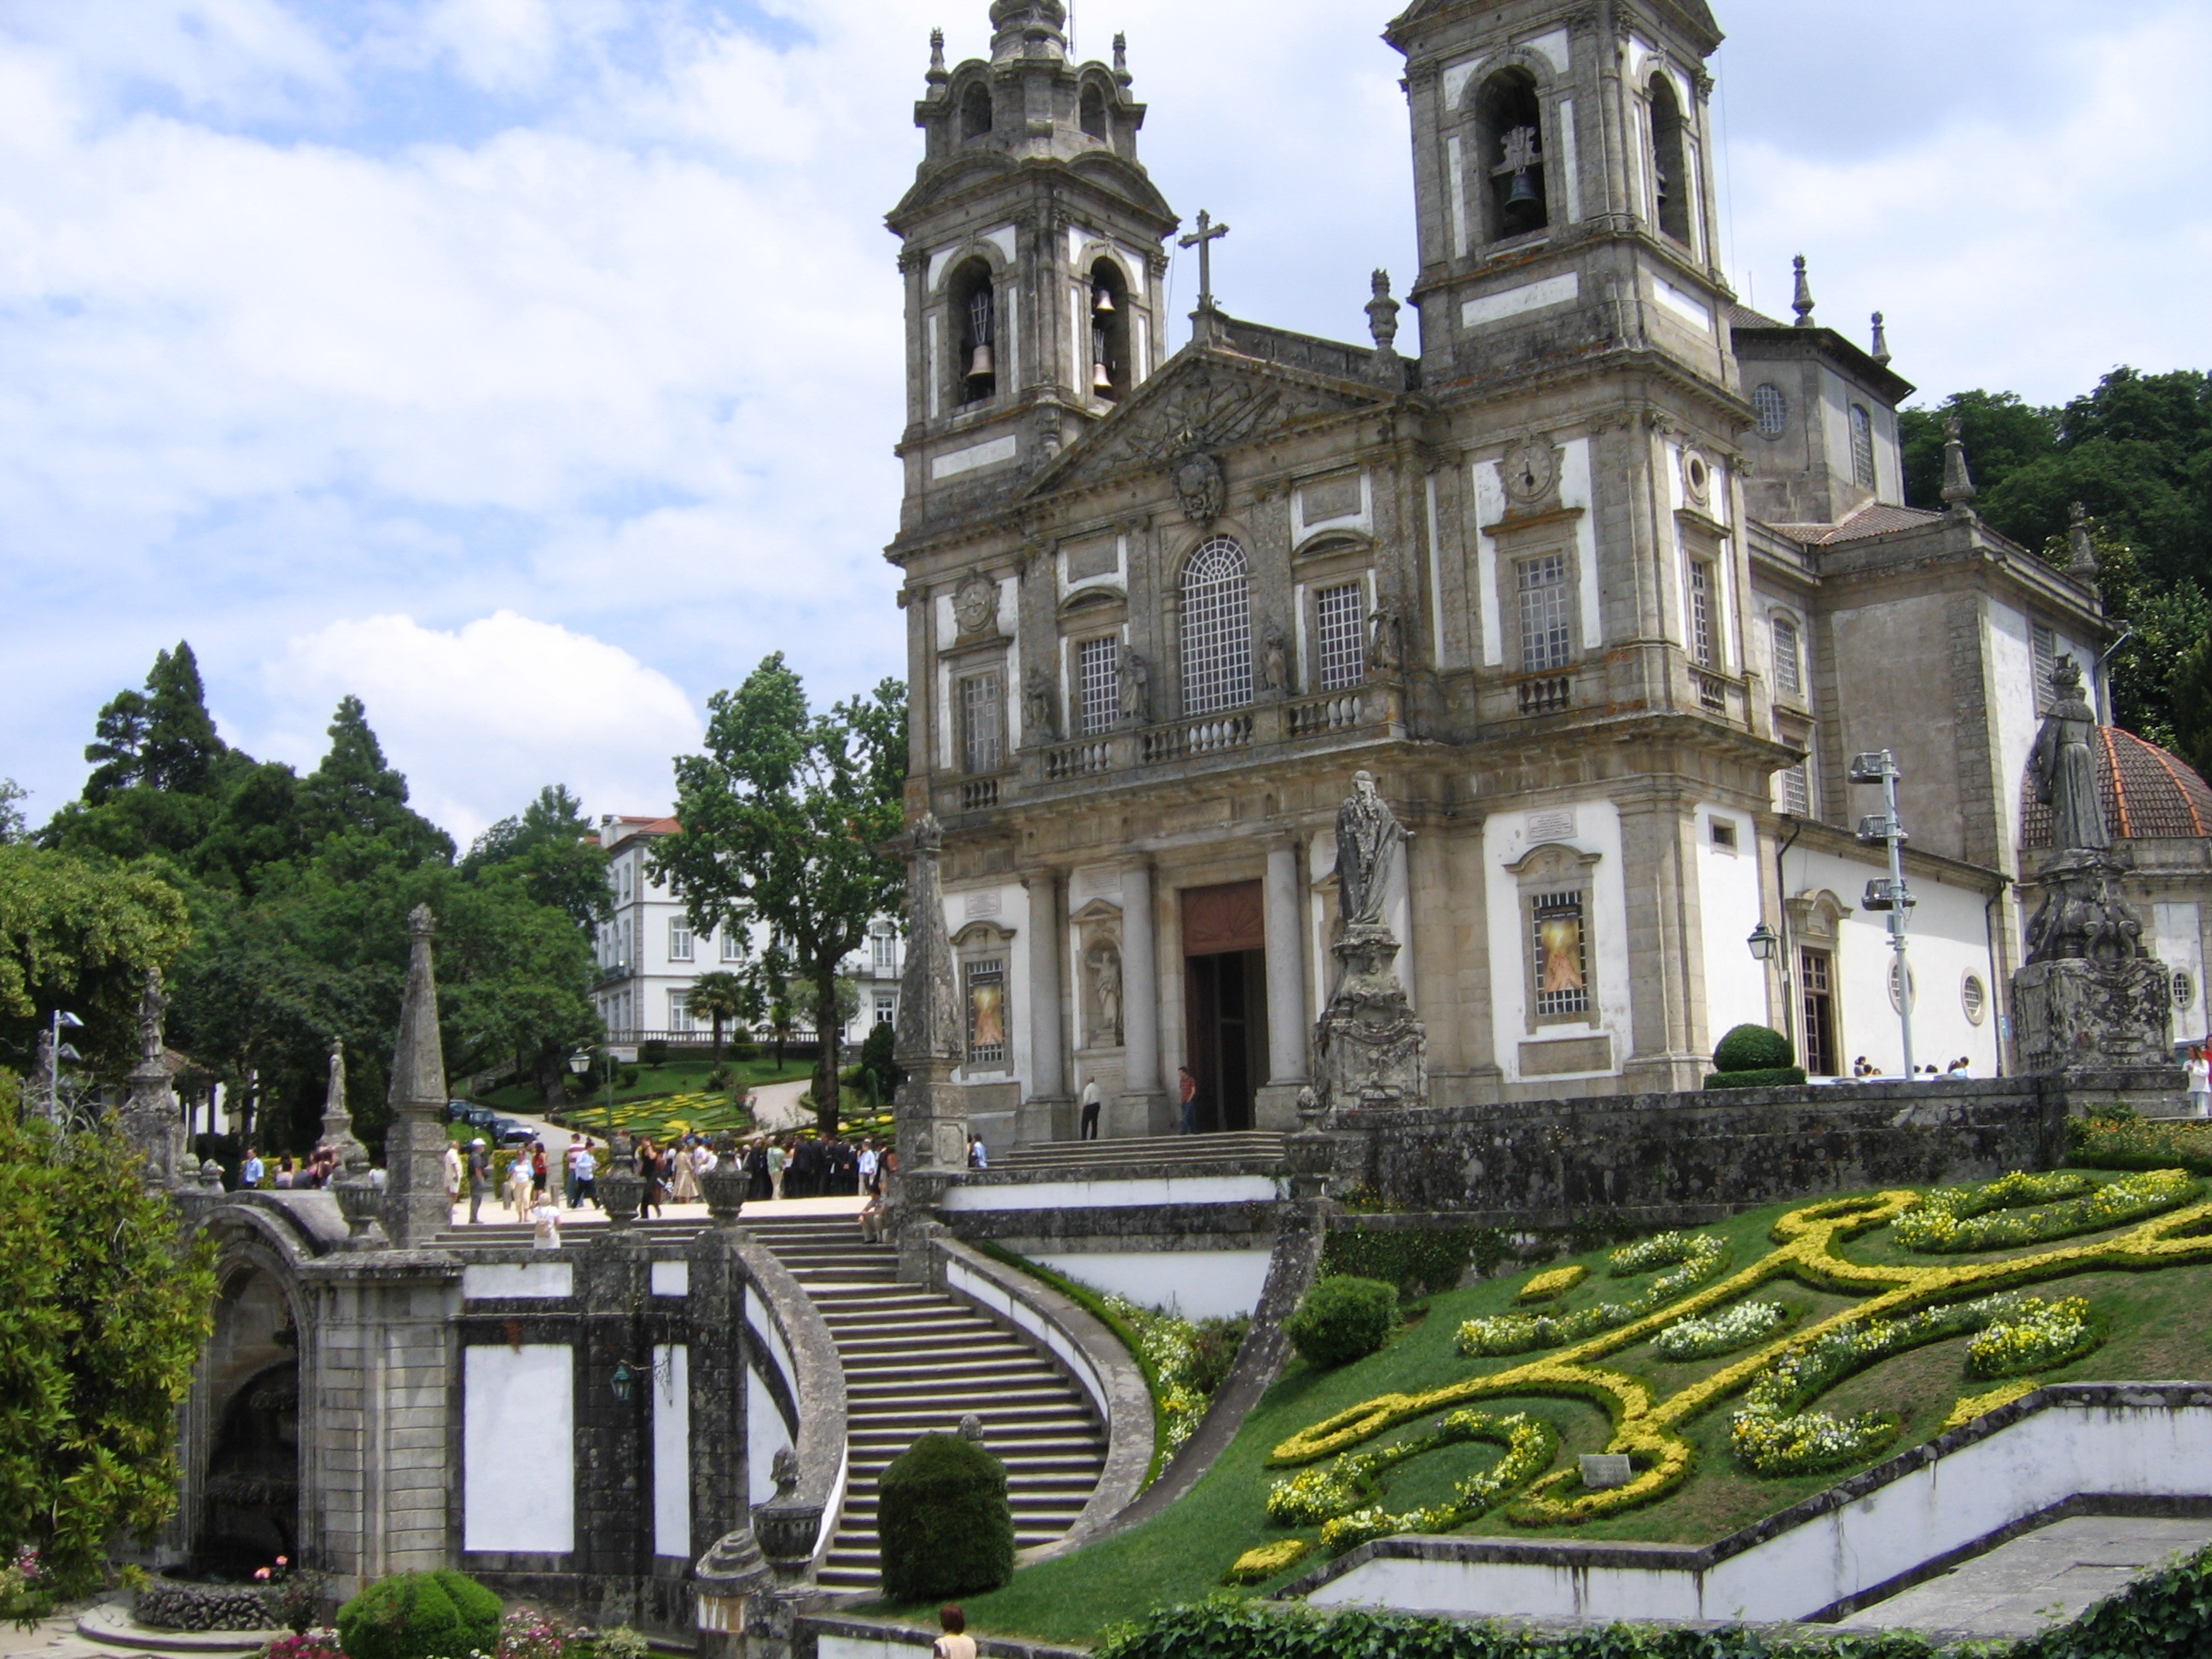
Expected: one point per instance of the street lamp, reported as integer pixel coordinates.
(1765, 942)
(1891, 895)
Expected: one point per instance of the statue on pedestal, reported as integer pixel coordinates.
(1367, 1048)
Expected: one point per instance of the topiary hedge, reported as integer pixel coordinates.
(1772, 1077)
(1753, 1048)
(944, 1523)
(1343, 1319)
(1418, 1261)
(420, 1615)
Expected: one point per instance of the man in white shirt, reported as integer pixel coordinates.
(452, 1175)
(1089, 1128)
(251, 1171)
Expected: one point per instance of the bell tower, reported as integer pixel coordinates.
(1562, 173)
(1033, 261)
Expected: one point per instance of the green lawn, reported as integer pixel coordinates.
(2159, 1329)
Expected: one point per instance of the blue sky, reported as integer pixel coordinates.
(532, 368)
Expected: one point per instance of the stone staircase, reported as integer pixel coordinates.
(1149, 1154)
(916, 1362)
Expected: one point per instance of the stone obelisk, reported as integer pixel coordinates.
(931, 1110)
(415, 1208)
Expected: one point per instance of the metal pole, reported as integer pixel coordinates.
(1897, 914)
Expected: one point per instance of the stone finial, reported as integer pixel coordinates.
(1958, 489)
(1122, 61)
(1880, 341)
(939, 76)
(1382, 314)
(2081, 560)
(1802, 302)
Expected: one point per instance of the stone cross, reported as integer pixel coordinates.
(1203, 240)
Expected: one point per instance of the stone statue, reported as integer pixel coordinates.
(1037, 706)
(1275, 662)
(1386, 648)
(1368, 839)
(1106, 979)
(1136, 689)
(2065, 775)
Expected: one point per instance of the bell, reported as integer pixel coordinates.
(1524, 189)
(1102, 378)
(1102, 304)
(982, 367)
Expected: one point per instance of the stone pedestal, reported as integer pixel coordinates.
(2072, 1014)
(1368, 1050)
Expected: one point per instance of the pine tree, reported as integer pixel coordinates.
(162, 738)
(355, 791)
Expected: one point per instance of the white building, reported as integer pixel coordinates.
(649, 957)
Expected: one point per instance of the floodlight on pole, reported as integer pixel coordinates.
(1880, 767)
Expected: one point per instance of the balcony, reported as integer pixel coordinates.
(1213, 736)
(1549, 694)
(1313, 717)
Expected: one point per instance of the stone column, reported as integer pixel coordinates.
(1144, 1105)
(1288, 1025)
(1046, 1115)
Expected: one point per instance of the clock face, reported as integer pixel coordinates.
(1530, 469)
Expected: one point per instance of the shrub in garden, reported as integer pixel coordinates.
(653, 1052)
(1213, 1351)
(623, 1643)
(1343, 1319)
(420, 1615)
(943, 1520)
(629, 1077)
(1754, 1057)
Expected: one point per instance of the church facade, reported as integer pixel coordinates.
(1607, 582)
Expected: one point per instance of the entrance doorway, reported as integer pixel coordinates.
(1816, 970)
(1225, 1001)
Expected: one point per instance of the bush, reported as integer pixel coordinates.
(629, 1077)
(1775, 1077)
(943, 1519)
(1420, 1261)
(420, 1615)
(1343, 1319)
(721, 1077)
(1213, 1351)
(653, 1052)
(1753, 1048)
(745, 1050)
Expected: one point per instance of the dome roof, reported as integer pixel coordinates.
(2148, 794)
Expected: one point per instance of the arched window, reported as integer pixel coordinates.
(1094, 113)
(1670, 161)
(1109, 331)
(1217, 629)
(1861, 446)
(974, 327)
(1509, 124)
(976, 112)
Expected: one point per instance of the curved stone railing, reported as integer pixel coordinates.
(1090, 1354)
(816, 1378)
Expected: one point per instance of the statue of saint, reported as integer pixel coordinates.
(2065, 775)
(1275, 662)
(1136, 689)
(1037, 700)
(1368, 837)
(1106, 977)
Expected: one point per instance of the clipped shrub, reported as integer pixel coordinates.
(653, 1052)
(744, 1049)
(944, 1523)
(1418, 1261)
(420, 1615)
(1771, 1077)
(1754, 1049)
(1343, 1319)
(629, 1077)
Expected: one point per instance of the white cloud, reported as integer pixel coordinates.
(481, 718)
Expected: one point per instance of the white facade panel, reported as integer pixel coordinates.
(518, 1440)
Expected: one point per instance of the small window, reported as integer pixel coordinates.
(1973, 998)
(886, 954)
(1094, 113)
(733, 944)
(1098, 676)
(1340, 615)
(982, 723)
(1911, 981)
(976, 112)
(1797, 791)
(679, 1010)
(1861, 446)
(1562, 957)
(2044, 645)
(987, 1012)
(2184, 991)
(887, 1011)
(626, 956)
(1670, 166)
(1547, 630)
(1701, 610)
(1724, 835)
(679, 938)
(1788, 662)
(1770, 408)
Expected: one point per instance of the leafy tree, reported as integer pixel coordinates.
(556, 851)
(782, 819)
(2001, 434)
(722, 998)
(878, 1068)
(12, 822)
(80, 935)
(805, 999)
(102, 1326)
(355, 791)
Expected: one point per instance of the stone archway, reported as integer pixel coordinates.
(248, 1508)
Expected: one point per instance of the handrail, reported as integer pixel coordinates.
(822, 1444)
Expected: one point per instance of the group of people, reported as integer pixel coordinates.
(1960, 1067)
(319, 1169)
(793, 1167)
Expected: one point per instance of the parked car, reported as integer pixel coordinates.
(480, 1117)
(508, 1132)
(457, 1111)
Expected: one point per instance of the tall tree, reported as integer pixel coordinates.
(357, 791)
(555, 850)
(783, 818)
(12, 821)
(79, 934)
(163, 738)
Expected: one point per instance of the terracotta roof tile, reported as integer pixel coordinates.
(1877, 519)
(2148, 794)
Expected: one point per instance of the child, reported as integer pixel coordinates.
(956, 1643)
(546, 1222)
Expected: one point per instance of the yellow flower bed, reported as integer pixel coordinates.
(1257, 1566)
(1544, 1286)
(1809, 1242)
(1981, 1405)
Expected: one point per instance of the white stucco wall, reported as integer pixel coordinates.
(518, 1440)
(1194, 1284)
(2180, 946)
(1506, 839)
(1728, 903)
(672, 1450)
(765, 1436)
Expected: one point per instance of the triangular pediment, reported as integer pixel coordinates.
(1204, 398)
